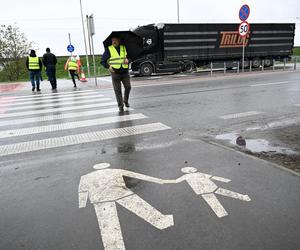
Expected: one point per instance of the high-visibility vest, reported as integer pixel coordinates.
(33, 63)
(116, 60)
(72, 65)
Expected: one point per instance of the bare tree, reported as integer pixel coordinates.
(14, 47)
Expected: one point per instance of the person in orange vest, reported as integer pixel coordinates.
(34, 66)
(72, 66)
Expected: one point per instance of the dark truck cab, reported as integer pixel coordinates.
(183, 47)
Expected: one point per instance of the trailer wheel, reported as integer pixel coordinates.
(268, 62)
(189, 67)
(146, 69)
(256, 63)
(246, 63)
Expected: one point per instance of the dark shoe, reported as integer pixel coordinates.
(75, 86)
(38, 89)
(33, 88)
(126, 104)
(121, 109)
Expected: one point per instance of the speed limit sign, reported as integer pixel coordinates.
(244, 28)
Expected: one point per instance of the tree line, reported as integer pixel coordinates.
(14, 47)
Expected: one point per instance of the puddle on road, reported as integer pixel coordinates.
(256, 145)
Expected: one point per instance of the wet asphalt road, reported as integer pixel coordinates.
(39, 189)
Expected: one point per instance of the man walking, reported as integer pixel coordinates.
(34, 66)
(115, 59)
(50, 61)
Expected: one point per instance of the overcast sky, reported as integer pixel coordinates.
(48, 23)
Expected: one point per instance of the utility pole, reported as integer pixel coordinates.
(86, 51)
(178, 11)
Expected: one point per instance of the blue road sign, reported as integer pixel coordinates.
(244, 12)
(70, 48)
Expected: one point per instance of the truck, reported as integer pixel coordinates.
(183, 47)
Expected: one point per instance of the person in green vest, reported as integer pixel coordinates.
(72, 66)
(34, 66)
(115, 59)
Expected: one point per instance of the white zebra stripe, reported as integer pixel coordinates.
(49, 104)
(55, 142)
(37, 95)
(45, 97)
(36, 112)
(59, 116)
(69, 125)
(53, 98)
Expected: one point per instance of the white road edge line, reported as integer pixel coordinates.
(270, 83)
(56, 142)
(69, 125)
(240, 115)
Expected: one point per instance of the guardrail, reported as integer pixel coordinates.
(283, 65)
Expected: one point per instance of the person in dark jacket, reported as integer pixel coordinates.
(34, 66)
(50, 61)
(115, 59)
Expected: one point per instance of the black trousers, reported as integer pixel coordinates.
(51, 73)
(73, 74)
(117, 79)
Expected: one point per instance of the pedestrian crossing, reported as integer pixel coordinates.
(35, 122)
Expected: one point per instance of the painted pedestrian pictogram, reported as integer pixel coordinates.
(106, 187)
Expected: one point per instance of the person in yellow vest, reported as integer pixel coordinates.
(115, 59)
(34, 66)
(72, 66)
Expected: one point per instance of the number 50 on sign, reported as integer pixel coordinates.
(244, 29)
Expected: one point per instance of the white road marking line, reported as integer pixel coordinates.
(215, 205)
(53, 98)
(267, 84)
(55, 110)
(298, 105)
(50, 94)
(64, 103)
(69, 125)
(276, 124)
(239, 115)
(59, 116)
(231, 194)
(55, 142)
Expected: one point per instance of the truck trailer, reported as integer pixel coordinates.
(183, 47)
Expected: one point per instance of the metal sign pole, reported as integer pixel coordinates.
(243, 62)
(89, 34)
(70, 42)
(86, 52)
(92, 32)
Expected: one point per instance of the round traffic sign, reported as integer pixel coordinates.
(244, 12)
(244, 28)
(70, 48)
